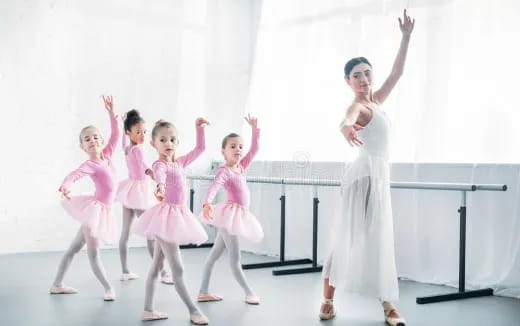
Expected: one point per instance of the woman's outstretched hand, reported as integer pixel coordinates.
(350, 134)
(406, 24)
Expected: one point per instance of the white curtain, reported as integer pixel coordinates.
(175, 60)
(453, 103)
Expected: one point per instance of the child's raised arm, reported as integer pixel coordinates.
(185, 160)
(255, 135)
(114, 126)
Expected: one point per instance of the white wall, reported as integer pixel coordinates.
(175, 60)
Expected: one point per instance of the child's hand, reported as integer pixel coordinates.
(109, 104)
(159, 192)
(201, 122)
(64, 192)
(149, 172)
(253, 122)
(208, 212)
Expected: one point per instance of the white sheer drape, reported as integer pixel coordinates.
(453, 103)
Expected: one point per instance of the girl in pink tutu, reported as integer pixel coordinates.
(93, 212)
(232, 218)
(170, 222)
(135, 193)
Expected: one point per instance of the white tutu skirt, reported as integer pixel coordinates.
(95, 216)
(361, 259)
(237, 220)
(136, 194)
(170, 223)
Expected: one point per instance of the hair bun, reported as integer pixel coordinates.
(132, 114)
(132, 118)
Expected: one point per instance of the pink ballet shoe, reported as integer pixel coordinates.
(209, 297)
(62, 290)
(129, 276)
(199, 319)
(167, 279)
(331, 313)
(153, 315)
(109, 296)
(252, 300)
(392, 320)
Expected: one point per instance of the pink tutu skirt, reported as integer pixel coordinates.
(170, 223)
(237, 220)
(136, 194)
(95, 216)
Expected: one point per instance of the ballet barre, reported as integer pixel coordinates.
(282, 261)
(463, 188)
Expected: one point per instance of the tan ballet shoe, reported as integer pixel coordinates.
(199, 319)
(209, 297)
(153, 315)
(62, 290)
(252, 300)
(109, 296)
(167, 279)
(394, 321)
(331, 313)
(129, 276)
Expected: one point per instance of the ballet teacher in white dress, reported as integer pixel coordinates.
(361, 259)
